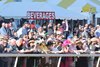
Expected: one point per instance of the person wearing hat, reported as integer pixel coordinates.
(81, 61)
(94, 44)
(79, 45)
(93, 47)
(31, 48)
(66, 61)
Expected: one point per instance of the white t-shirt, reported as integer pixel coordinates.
(19, 32)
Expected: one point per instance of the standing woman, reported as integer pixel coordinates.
(81, 61)
(31, 48)
(66, 61)
(20, 46)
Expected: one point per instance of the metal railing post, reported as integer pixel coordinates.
(16, 61)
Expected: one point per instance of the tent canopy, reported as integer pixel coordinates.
(89, 8)
(9, 10)
(9, 1)
(98, 15)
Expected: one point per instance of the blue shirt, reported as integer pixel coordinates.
(97, 33)
(3, 31)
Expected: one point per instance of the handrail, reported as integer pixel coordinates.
(49, 55)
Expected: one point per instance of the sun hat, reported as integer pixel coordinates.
(66, 42)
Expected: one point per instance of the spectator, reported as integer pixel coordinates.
(49, 38)
(93, 46)
(12, 46)
(81, 61)
(50, 28)
(8, 30)
(3, 49)
(14, 24)
(33, 27)
(3, 31)
(41, 32)
(65, 48)
(14, 35)
(65, 26)
(23, 30)
(21, 47)
(84, 33)
(97, 31)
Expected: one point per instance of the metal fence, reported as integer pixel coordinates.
(51, 55)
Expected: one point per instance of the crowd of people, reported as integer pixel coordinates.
(49, 38)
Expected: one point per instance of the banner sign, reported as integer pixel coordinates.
(40, 15)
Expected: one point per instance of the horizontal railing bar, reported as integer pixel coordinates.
(49, 55)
